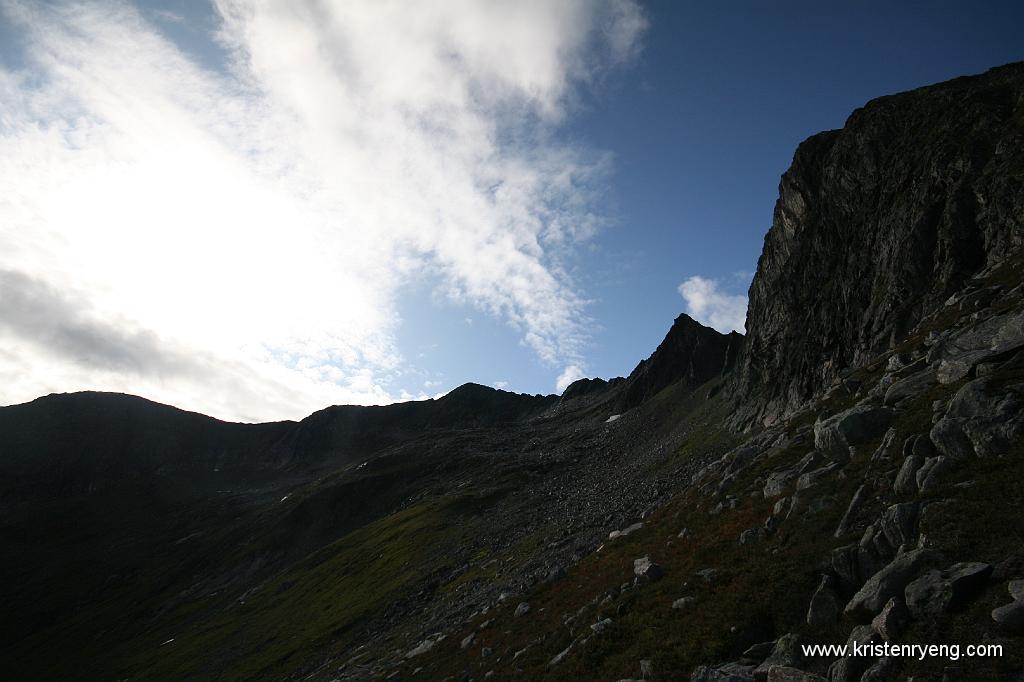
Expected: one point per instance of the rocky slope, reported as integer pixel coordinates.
(849, 472)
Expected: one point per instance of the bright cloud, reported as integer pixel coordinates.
(707, 304)
(236, 241)
(569, 374)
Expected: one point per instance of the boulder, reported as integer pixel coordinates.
(814, 477)
(1016, 589)
(906, 479)
(882, 671)
(522, 609)
(467, 641)
(786, 652)
(752, 535)
(683, 602)
(646, 569)
(937, 591)
(954, 369)
(845, 566)
(1010, 616)
(782, 673)
(777, 483)
(910, 386)
(837, 434)
(760, 651)
(951, 440)
(850, 668)
(931, 472)
(889, 582)
(601, 625)
(892, 620)
(851, 513)
(824, 608)
(728, 672)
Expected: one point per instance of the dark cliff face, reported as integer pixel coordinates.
(875, 226)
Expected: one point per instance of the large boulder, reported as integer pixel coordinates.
(980, 420)
(906, 480)
(786, 652)
(947, 590)
(824, 608)
(892, 620)
(889, 582)
(858, 425)
(645, 569)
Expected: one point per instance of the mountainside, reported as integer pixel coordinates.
(848, 472)
(876, 226)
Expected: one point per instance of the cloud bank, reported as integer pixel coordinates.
(235, 240)
(709, 305)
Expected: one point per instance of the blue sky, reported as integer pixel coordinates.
(254, 209)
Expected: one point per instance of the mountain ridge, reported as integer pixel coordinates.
(857, 453)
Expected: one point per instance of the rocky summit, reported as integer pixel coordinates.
(850, 472)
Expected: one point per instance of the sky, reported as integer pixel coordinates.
(257, 208)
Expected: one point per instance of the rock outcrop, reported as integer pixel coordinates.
(876, 225)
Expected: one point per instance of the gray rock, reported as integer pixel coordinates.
(1010, 616)
(851, 513)
(892, 620)
(760, 651)
(708, 574)
(954, 369)
(837, 434)
(845, 566)
(683, 602)
(850, 668)
(601, 625)
(812, 460)
(910, 386)
(467, 641)
(751, 536)
(824, 608)
(906, 479)
(729, 672)
(786, 652)
(814, 477)
(780, 506)
(951, 440)
(940, 591)
(424, 646)
(485, 652)
(646, 669)
(882, 671)
(646, 569)
(898, 525)
(1016, 589)
(777, 483)
(522, 609)
(781, 673)
(931, 473)
(889, 582)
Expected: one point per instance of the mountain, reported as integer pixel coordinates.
(848, 471)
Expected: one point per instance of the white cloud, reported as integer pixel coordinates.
(569, 374)
(707, 304)
(264, 219)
